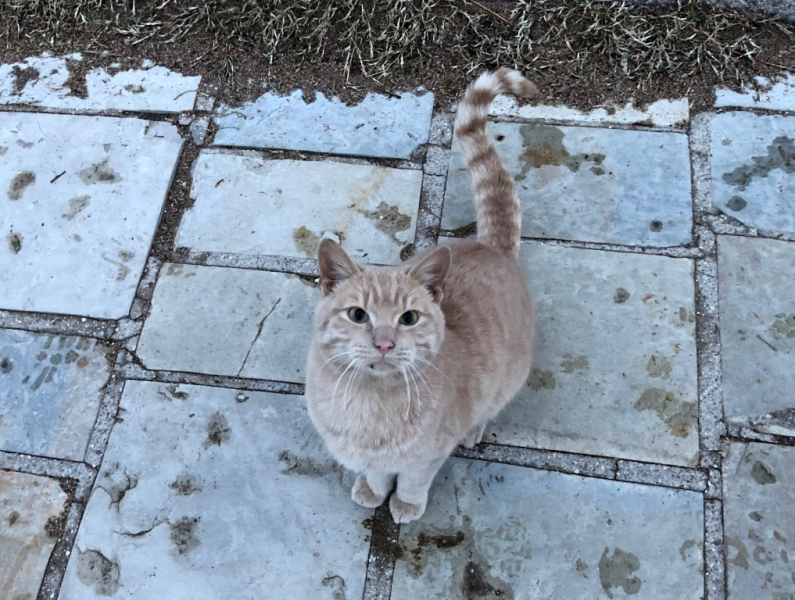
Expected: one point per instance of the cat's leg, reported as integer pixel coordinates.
(411, 496)
(475, 436)
(372, 488)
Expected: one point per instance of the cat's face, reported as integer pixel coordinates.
(385, 321)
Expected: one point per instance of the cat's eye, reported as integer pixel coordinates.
(357, 315)
(410, 317)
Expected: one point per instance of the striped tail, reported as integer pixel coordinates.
(499, 217)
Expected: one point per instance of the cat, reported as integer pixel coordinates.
(408, 361)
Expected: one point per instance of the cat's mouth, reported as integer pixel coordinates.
(382, 364)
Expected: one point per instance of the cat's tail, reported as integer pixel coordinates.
(499, 217)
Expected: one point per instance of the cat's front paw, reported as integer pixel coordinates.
(405, 512)
(363, 495)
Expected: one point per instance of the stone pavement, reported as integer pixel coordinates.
(153, 439)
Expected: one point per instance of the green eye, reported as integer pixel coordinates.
(409, 318)
(357, 315)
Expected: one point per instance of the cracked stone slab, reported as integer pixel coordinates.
(587, 184)
(49, 82)
(662, 113)
(499, 531)
(30, 507)
(378, 126)
(50, 393)
(757, 314)
(243, 503)
(615, 362)
(81, 200)
(235, 322)
(753, 169)
(246, 204)
(759, 493)
(778, 95)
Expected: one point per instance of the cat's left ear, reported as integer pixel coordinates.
(432, 270)
(335, 265)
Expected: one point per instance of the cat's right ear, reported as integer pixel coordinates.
(335, 265)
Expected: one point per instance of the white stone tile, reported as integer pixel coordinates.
(233, 322)
(662, 113)
(757, 314)
(249, 205)
(201, 495)
(753, 169)
(82, 197)
(778, 95)
(615, 364)
(50, 393)
(498, 531)
(587, 184)
(378, 126)
(28, 506)
(45, 81)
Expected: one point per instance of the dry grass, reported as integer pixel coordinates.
(376, 38)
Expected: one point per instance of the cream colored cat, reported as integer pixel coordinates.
(409, 361)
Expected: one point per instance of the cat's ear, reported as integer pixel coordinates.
(335, 265)
(432, 270)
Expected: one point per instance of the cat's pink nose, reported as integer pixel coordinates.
(384, 346)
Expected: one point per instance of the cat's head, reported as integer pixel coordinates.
(382, 319)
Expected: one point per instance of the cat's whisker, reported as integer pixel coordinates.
(433, 366)
(341, 354)
(408, 391)
(351, 380)
(334, 393)
(409, 369)
(422, 378)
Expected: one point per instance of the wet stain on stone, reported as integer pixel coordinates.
(134, 89)
(76, 204)
(737, 203)
(122, 270)
(582, 567)
(98, 173)
(388, 219)
(658, 366)
(6, 366)
(621, 296)
(783, 326)
(755, 516)
(543, 145)
(20, 183)
(306, 241)
(13, 518)
(762, 474)
(337, 585)
(3, 150)
(441, 541)
(616, 572)
(597, 170)
(541, 380)
(656, 226)
(571, 363)
(183, 535)
(218, 431)
(740, 559)
(173, 393)
(780, 155)
(98, 572)
(306, 467)
(478, 584)
(687, 546)
(679, 417)
(174, 269)
(116, 481)
(14, 242)
(186, 484)
(24, 144)
(22, 77)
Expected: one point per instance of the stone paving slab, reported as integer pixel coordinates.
(587, 184)
(50, 391)
(378, 126)
(226, 494)
(615, 364)
(249, 205)
(759, 494)
(757, 314)
(46, 81)
(82, 197)
(753, 169)
(778, 95)
(29, 509)
(497, 531)
(234, 322)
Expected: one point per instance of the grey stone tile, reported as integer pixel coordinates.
(753, 177)
(378, 126)
(757, 315)
(46, 81)
(233, 322)
(201, 495)
(759, 493)
(50, 391)
(588, 184)
(498, 531)
(29, 507)
(81, 200)
(615, 364)
(778, 95)
(249, 205)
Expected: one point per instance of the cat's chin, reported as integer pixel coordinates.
(382, 368)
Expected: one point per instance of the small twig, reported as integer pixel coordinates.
(487, 9)
(54, 179)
